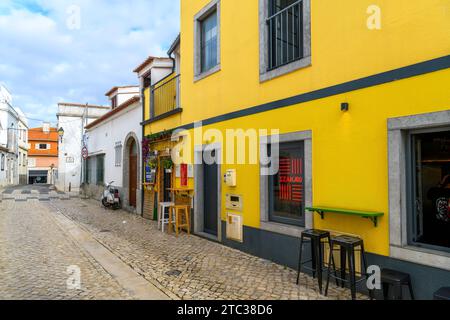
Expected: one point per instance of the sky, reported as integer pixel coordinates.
(76, 50)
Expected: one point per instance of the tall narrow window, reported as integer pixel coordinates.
(430, 200)
(286, 188)
(209, 42)
(118, 154)
(3, 162)
(285, 24)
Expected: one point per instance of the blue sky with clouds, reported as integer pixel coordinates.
(44, 61)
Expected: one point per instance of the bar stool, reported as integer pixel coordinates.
(347, 246)
(396, 280)
(163, 217)
(180, 215)
(315, 237)
(442, 294)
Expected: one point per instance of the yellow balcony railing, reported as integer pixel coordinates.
(165, 96)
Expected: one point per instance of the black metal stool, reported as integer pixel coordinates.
(396, 280)
(442, 294)
(315, 237)
(348, 246)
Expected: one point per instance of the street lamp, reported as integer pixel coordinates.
(61, 133)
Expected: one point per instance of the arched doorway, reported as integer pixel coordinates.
(133, 171)
(131, 178)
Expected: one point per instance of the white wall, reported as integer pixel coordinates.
(102, 139)
(70, 119)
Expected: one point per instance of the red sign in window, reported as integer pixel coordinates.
(291, 179)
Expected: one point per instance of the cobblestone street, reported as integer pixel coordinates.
(35, 252)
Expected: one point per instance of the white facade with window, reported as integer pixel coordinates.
(72, 118)
(13, 130)
(110, 140)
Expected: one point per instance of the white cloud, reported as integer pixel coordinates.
(42, 61)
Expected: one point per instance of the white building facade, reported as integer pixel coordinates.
(114, 144)
(13, 133)
(72, 118)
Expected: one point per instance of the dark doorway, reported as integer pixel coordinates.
(133, 174)
(167, 185)
(210, 196)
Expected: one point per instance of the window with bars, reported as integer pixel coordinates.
(118, 154)
(285, 30)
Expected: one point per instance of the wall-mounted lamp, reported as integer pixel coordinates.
(345, 106)
(61, 133)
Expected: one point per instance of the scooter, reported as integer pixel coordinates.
(111, 197)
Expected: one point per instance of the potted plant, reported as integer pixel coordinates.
(167, 164)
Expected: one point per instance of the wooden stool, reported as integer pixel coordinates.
(181, 214)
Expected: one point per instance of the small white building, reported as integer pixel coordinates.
(72, 118)
(114, 144)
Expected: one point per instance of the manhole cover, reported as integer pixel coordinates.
(173, 273)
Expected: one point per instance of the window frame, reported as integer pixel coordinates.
(264, 73)
(283, 228)
(400, 247)
(118, 150)
(211, 8)
(301, 222)
(411, 182)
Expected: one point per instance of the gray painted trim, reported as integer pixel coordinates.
(398, 219)
(198, 196)
(265, 75)
(214, 5)
(268, 225)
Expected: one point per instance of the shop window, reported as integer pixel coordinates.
(429, 200)
(286, 188)
(100, 170)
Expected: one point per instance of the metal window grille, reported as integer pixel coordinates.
(285, 30)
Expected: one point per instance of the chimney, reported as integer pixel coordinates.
(46, 127)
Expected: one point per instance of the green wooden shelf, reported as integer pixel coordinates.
(373, 216)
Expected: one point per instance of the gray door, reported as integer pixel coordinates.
(210, 195)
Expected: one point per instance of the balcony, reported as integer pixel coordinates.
(165, 97)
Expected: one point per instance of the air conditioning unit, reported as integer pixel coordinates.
(234, 227)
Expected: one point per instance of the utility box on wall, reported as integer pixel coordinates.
(234, 227)
(230, 178)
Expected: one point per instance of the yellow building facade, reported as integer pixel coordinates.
(354, 82)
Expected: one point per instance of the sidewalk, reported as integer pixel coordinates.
(189, 267)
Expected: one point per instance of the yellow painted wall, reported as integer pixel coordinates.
(350, 159)
(350, 168)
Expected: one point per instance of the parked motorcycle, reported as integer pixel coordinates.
(111, 197)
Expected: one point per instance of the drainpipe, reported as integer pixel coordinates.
(142, 155)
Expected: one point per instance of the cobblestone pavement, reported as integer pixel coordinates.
(35, 254)
(189, 267)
